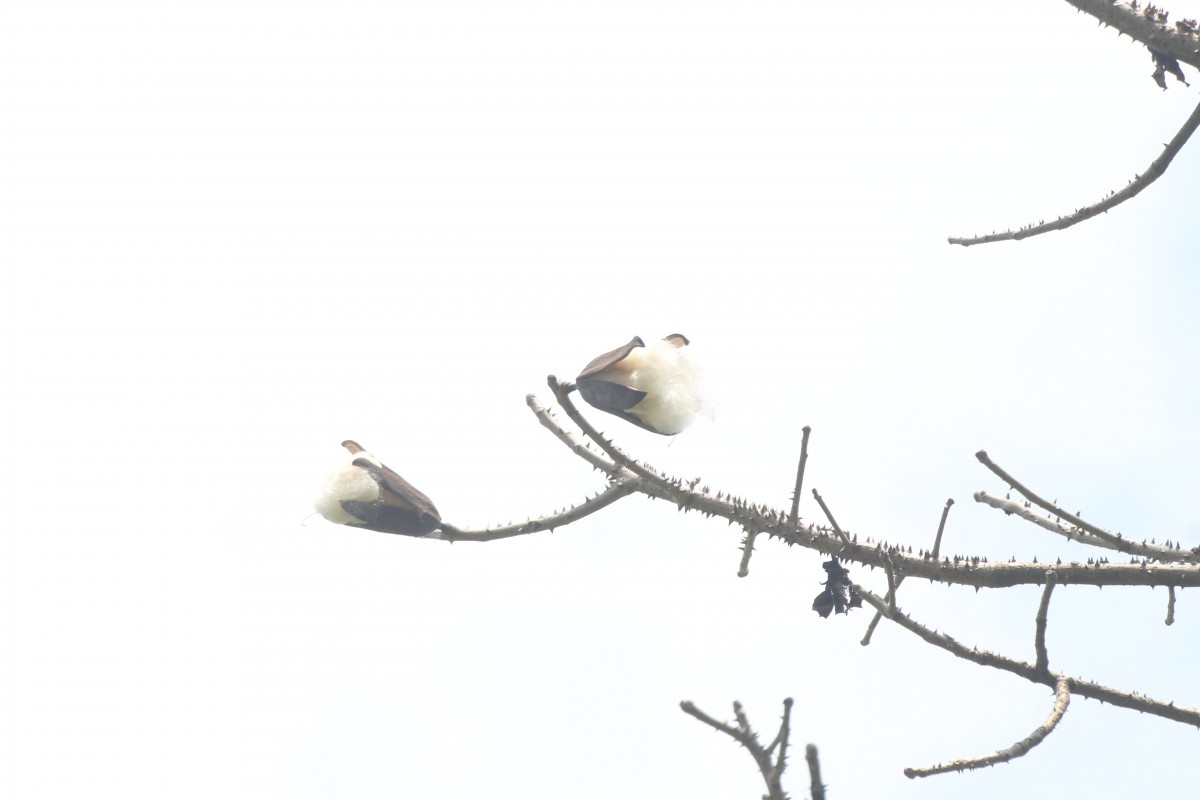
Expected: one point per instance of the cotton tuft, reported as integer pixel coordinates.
(655, 386)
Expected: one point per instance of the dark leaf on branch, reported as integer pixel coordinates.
(1163, 64)
(839, 594)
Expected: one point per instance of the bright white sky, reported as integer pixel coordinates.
(235, 234)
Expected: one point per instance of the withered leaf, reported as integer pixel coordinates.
(839, 594)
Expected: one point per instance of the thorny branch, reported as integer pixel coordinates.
(1062, 697)
(770, 765)
(1151, 565)
(1024, 669)
(1168, 45)
(690, 495)
(937, 549)
(1082, 531)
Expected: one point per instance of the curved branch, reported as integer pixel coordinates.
(1096, 536)
(548, 523)
(1105, 694)
(1062, 698)
(1153, 172)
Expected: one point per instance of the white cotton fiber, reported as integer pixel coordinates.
(671, 379)
(347, 482)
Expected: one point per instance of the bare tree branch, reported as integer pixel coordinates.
(770, 769)
(1105, 694)
(794, 515)
(893, 584)
(1062, 698)
(561, 390)
(937, 547)
(829, 516)
(1170, 620)
(565, 517)
(1102, 537)
(1042, 662)
(937, 540)
(964, 571)
(1153, 172)
(816, 788)
(747, 549)
(1142, 24)
(774, 783)
(573, 442)
(1167, 44)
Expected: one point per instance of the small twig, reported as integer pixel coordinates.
(1073, 533)
(747, 549)
(1110, 540)
(816, 788)
(829, 516)
(1170, 620)
(937, 546)
(744, 735)
(573, 442)
(1042, 662)
(561, 394)
(1062, 698)
(774, 782)
(1153, 172)
(795, 512)
(893, 584)
(937, 540)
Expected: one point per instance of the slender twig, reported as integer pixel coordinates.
(561, 393)
(1113, 541)
(774, 782)
(816, 788)
(937, 540)
(1024, 669)
(795, 512)
(744, 735)
(1062, 698)
(1014, 507)
(747, 549)
(829, 516)
(573, 442)
(565, 517)
(893, 584)
(1153, 172)
(1042, 662)
(937, 547)
(1170, 620)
